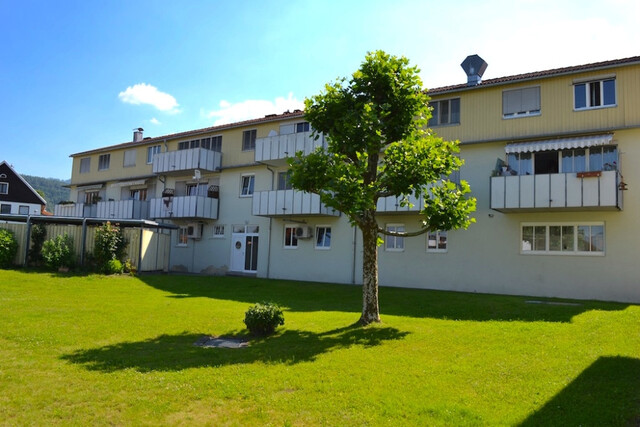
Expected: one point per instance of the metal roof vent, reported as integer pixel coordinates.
(475, 67)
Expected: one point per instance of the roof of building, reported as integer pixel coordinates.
(537, 75)
(4, 163)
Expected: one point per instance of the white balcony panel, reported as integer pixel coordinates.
(607, 182)
(527, 186)
(512, 191)
(590, 191)
(497, 192)
(280, 147)
(542, 193)
(289, 202)
(184, 160)
(123, 209)
(574, 190)
(558, 190)
(184, 207)
(73, 210)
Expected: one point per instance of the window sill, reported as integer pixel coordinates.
(599, 107)
(560, 253)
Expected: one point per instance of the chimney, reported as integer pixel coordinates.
(137, 134)
(475, 67)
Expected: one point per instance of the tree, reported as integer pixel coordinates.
(379, 145)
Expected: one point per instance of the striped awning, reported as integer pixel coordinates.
(128, 183)
(90, 187)
(559, 144)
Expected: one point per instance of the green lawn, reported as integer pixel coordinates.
(88, 350)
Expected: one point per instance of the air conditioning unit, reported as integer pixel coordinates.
(304, 232)
(194, 230)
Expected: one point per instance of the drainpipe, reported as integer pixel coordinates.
(273, 174)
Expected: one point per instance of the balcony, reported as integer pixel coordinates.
(556, 192)
(186, 160)
(289, 202)
(274, 150)
(195, 207)
(391, 205)
(123, 209)
(76, 210)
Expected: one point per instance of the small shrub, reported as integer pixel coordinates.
(263, 318)
(58, 252)
(113, 266)
(8, 247)
(128, 267)
(38, 236)
(110, 244)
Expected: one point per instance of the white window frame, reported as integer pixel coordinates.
(438, 234)
(218, 231)
(183, 236)
(438, 114)
(394, 243)
(250, 188)
(152, 151)
(22, 208)
(85, 165)
(301, 127)
(323, 246)
(104, 162)
(249, 139)
(587, 85)
(293, 243)
(284, 181)
(522, 113)
(4, 188)
(575, 251)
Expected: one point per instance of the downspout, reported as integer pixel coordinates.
(273, 174)
(26, 245)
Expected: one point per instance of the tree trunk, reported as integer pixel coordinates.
(370, 309)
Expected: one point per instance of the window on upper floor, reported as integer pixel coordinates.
(290, 238)
(246, 185)
(302, 127)
(5, 209)
(323, 237)
(23, 210)
(213, 143)
(152, 151)
(562, 239)
(103, 162)
(521, 102)
(85, 165)
(4, 188)
(446, 112)
(129, 158)
(184, 145)
(594, 94)
(284, 181)
(394, 243)
(249, 140)
(140, 194)
(597, 158)
(437, 241)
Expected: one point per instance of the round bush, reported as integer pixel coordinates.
(58, 252)
(8, 247)
(263, 318)
(113, 266)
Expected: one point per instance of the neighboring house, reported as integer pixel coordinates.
(544, 152)
(17, 197)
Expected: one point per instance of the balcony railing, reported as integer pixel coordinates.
(560, 191)
(185, 160)
(391, 204)
(123, 209)
(279, 147)
(201, 207)
(289, 202)
(76, 210)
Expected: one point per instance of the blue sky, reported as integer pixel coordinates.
(77, 75)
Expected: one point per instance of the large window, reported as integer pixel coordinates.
(152, 151)
(139, 194)
(129, 158)
(563, 239)
(323, 237)
(4, 188)
(85, 165)
(5, 209)
(284, 181)
(600, 158)
(249, 140)
(197, 189)
(599, 93)
(521, 102)
(91, 197)
(445, 112)
(394, 243)
(246, 185)
(290, 238)
(103, 161)
(437, 241)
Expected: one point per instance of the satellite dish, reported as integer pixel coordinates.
(196, 174)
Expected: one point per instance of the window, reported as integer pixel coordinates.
(91, 197)
(214, 143)
(85, 165)
(129, 158)
(140, 194)
(218, 231)
(152, 151)
(597, 158)
(394, 243)
(23, 210)
(184, 145)
(284, 181)
(249, 140)
(4, 188)
(183, 235)
(103, 161)
(323, 237)
(521, 102)
(5, 209)
(563, 239)
(246, 185)
(197, 189)
(302, 127)
(599, 93)
(437, 241)
(290, 238)
(445, 112)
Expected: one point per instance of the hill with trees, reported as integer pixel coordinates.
(53, 189)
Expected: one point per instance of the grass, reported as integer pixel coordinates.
(119, 350)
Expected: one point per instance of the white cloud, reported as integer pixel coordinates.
(252, 109)
(155, 121)
(143, 93)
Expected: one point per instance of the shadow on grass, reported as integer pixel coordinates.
(306, 296)
(606, 393)
(178, 352)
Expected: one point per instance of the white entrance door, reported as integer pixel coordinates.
(244, 251)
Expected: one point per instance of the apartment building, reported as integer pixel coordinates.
(549, 156)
